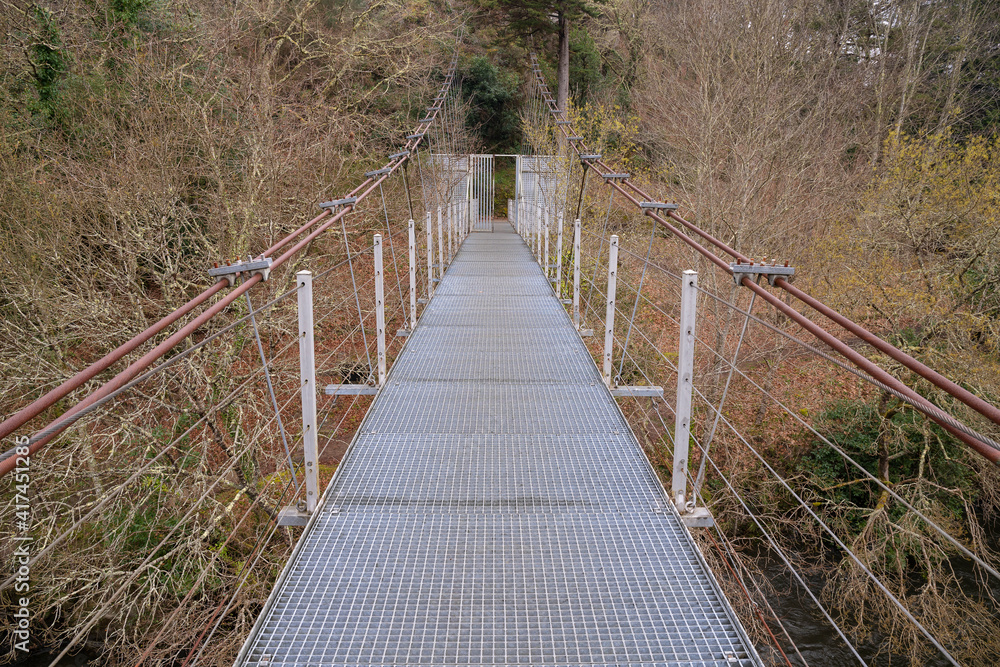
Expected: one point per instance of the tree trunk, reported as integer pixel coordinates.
(562, 73)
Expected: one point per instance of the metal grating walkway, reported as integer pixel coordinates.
(495, 508)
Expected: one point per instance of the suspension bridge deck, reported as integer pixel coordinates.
(495, 508)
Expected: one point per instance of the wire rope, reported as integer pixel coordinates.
(270, 390)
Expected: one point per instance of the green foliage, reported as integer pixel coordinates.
(584, 64)
(505, 177)
(527, 18)
(127, 12)
(144, 528)
(492, 94)
(49, 64)
(896, 441)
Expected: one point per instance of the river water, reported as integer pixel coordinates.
(818, 642)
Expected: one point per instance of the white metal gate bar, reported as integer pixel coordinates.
(482, 189)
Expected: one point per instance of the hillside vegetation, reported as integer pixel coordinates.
(143, 140)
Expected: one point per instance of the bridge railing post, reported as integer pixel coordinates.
(559, 252)
(307, 386)
(521, 229)
(529, 225)
(411, 233)
(451, 232)
(379, 309)
(430, 257)
(440, 245)
(545, 257)
(685, 386)
(538, 233)
(576, 274)
(609, 317)
(535, 215)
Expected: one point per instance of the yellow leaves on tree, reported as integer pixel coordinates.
(927, 243)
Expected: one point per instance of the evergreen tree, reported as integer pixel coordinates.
(528, 18)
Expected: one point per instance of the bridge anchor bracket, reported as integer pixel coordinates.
(637, 390)
(293, 516)
(351, 390)
(698, 517)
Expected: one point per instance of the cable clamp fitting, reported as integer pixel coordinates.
(377, 172)
(346, 201)
(249, 267)
(754, 270)
(657, 206)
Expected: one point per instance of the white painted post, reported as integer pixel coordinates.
(545, 257)
(685, 385)
(576, 274)
(440, 246)
(379, 310)
(529, 221)
(538, 235)
(609, 316)
(307, 386)
(413, 274)
(451, 232)
(430, 257)
(559, 253)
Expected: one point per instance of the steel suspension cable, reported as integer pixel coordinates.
(97, 614)
(243, 581)
(234, 459)
(270, 390)
(357, 300)
(855, 358)
(392, 252)
(164, 365)
(767, 535)
(359, 192)
(717, 410)
(600, 249)
(638, 294)
(725, 390)
(764, 531)
(791, 568)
